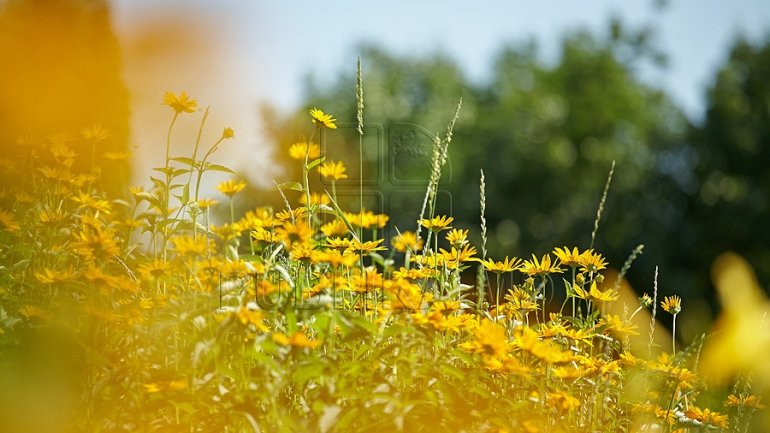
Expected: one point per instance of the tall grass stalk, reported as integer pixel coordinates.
(438, 159)
(481, 278)
(601, 205)
(483, 205)
(653, 311)
(636, 252)
(360, 126)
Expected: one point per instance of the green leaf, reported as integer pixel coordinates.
(378, 259)
(180, 171)
(159, 183)
(341, 215)
(184, 160)
(185, 194)
(217, 167)
(169, 221)
(295, 186)
(122, 202)
(315, 163)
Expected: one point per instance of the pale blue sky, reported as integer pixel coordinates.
(289, 38)
(261, 50)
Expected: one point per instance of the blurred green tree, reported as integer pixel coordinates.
(730, 208)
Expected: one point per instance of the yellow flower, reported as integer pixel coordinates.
(228, 133)
(437, 224)
(562, 401)
(24, 197)
(489, 339)
(53, 276)
(174, 385)
(259, 218)
(154, 270)
(520, 302)
(252, 317)
(186, 245)
(298, 151)
(290, 232)
(89, 201)
(672, 304)
(302, 251)
(58, 174)
(7, 222)
(102, 280)
(334, 228)
(63, 154)
(367, 219)
(507, 265)
(744, 400)
(414, 274)
(231, 187)
(95, 243)
(96, 132)
(297, 214)
(333, 170)
(542, 267)
(259, 234)
(30, 312)
(370, 281)
(181, 104)
(322, 120)
(591, 262)
(445, 307)
(407, 240)
(52, 216)
(315, 199)
(457, 237)
(456, 256)
(594, 294)
(264, 288)
(367, 247)
(529, 340)
(339, 243)
(227, 231)
(206, 203)
(336, 258)
(619, 326)
(567, 257)
(706, 416)
(298, 339)
(405, 295)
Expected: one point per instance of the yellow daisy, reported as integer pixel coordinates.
(298, 151)
(322, 120)
(180, 104)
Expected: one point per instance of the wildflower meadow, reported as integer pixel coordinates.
(163, 310)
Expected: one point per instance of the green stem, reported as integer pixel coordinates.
(360, 177)
(497, 297)
(673, 338)
(305, 173)
(168, 139)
